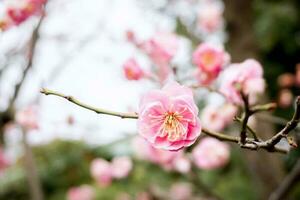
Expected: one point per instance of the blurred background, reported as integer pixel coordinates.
(79, 48)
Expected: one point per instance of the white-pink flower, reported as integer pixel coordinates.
(210, 153)
(28, 118)
(210, 60)
(133, 70)
(246, 77)
(216, 118)
(83, 192)
(121, 166)
(101, 171)
(168, 117)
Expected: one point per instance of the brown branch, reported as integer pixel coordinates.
(249, 143)
(287, 184)
(97, 110)
(32, 48)
(291, 125)
(247, 115)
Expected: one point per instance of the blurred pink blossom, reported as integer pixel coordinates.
(181, 191)
(121, 166)
(133, 70)
(210, 153)
(285, 98)
(246, 77)
(17, 13)
(168, 117)
(216, 118)
(210, 60)
(101, 171)
(28, 117)
(161, 48)
(210, 17)
(83, 192)
(169, 160)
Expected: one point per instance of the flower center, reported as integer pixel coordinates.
(172, 127)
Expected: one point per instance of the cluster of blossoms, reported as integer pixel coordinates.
(19, 11)
(104, 171)
(83, 192)
(168, 117)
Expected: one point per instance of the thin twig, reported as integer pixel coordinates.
(97, 110)
(253, 133)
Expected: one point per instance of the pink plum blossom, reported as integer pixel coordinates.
(83, 192)
(246, 77)
(168, 117)
(216, 118)
(101, 171)
(28, 117)
(121, 166)
(210, 60)
(182, 164)
(133, 70)
(161, 48)
(210, 17)
(210, 153)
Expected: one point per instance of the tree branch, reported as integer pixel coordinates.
(97, 110)
(249, 143)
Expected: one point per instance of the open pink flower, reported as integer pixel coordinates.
(101, 171)
(121, 166)
(83, 192)
(168, 117)
(28, 118)
(246, 77)
(210, 153)
(133, 70)
(210, 60)
(216, 118)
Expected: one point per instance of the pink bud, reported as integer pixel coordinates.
(132, 70)
(210, 153)
(83, 192)
(101, 171)
(286, 80)
(182, 164)
(121, 166)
